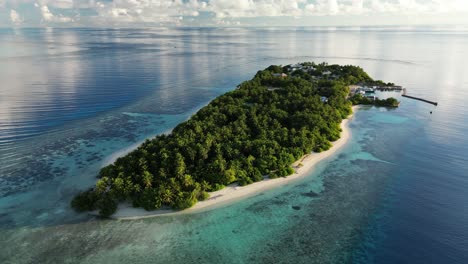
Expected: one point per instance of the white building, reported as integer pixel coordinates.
(280, 75)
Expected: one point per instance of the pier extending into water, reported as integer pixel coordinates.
(369, 91)
(417, 98)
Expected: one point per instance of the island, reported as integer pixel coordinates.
(255, 132)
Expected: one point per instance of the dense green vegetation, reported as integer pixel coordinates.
(359, 99)
(259, 129)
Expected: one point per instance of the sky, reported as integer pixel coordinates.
(134, 13)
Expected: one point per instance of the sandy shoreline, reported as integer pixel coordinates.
(233, 192)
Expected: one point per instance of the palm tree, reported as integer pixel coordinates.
(147, 179)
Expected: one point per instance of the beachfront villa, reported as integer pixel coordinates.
(280, 75)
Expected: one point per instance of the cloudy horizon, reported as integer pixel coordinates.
(93, 13)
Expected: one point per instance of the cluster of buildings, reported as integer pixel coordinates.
(300, 67)
(366, 91)
(369, 91)
(308, 68)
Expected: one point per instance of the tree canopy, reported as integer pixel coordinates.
(259, 129)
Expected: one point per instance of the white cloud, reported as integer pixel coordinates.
(15, 17)
(64, 4)
(327, 7)
(60, 3)
(309, 8)
(356, 7)
(379, 6)
(267, 8)
(151, 11)
(113, 12)
(451, 5)
(418, 7)
(255, 8)
(47, 16)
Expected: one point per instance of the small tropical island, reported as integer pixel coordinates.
(255, 132)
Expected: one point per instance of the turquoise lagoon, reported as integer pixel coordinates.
(396, 193)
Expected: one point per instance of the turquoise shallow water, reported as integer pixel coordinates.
(395, 194)
(317, 219)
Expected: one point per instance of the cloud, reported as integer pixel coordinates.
(146, 11)
(356, 7)
(269, 8)
(255, 8)
(451, 5)
(15, 17)
(63, 4)
(223, 12)
(47, 16)
(327, 7)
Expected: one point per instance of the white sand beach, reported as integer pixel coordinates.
(234, 192)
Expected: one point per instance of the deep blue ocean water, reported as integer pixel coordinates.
(72, 98)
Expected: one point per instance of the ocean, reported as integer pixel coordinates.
(70, 99)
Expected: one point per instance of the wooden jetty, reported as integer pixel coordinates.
(420, 99)
(389, 88)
